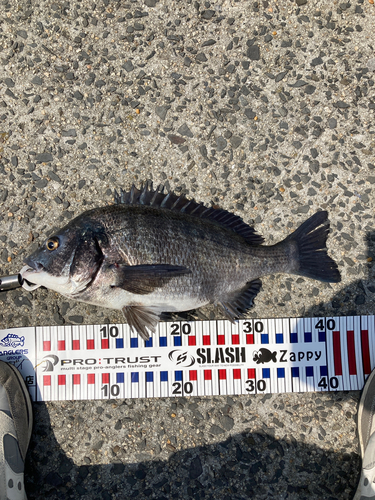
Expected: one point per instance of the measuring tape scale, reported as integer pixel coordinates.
(202, 358)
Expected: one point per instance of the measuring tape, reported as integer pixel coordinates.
(199, 358)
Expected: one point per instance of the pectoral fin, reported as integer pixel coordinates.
(141, 320)
(235, 305)
(144, 279)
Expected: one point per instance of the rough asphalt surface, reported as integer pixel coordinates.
(263, 108)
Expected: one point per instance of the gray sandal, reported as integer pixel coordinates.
(16, 420)
(366, 433)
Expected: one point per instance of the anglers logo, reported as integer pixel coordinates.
(12, 340)
(49, 362)
(181, 358)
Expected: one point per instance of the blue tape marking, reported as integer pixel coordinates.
(322, 336)
(294, 338)
(309, 371)
(135, 377)
(266, 373)
(120, 378)
(279, 338)
(295, 371)
(264, 338)
(178, 376)
(148, 342)
(308, 337)
(119, 343)
(133, 342)
(163, 342)
(177, 341)
(281, 373)
(149, 376)
(323, 371)
(163, 376)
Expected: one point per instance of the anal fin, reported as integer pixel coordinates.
(238, 303)
(141, 319)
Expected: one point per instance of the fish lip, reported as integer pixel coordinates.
(34, 266)
(26, 284)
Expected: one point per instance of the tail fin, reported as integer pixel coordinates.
(273, 357)
(314, 261)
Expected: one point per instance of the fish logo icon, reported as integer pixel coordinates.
(181, 358)
(12, 340)
(264, 356)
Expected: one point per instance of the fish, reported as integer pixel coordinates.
(153, 252)
(12, 340)
(264, 356)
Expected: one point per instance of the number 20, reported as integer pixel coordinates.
(185, 329)
(187, 387)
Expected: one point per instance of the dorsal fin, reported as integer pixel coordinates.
(179, 203)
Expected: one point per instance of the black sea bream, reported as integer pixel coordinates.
(153, 252)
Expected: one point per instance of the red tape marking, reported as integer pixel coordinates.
(337, 353)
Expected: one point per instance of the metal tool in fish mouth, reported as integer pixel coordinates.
(10, 282)
(16, 281)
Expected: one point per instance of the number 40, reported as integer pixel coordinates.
(333, 382)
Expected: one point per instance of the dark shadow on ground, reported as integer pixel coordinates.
(247, 465)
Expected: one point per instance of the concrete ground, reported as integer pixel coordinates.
(263, 108)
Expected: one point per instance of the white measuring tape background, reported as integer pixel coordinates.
(199, 358)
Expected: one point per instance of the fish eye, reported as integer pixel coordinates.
(52, 243)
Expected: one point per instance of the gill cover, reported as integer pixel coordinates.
(85, 264)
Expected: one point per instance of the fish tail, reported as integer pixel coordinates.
(310, 239)
(273, 357)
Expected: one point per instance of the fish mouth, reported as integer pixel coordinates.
(25, 273)
(32, 265)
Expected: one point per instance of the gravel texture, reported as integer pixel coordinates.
(263, 108)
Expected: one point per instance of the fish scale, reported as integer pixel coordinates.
(168, 240)
(193, 358)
